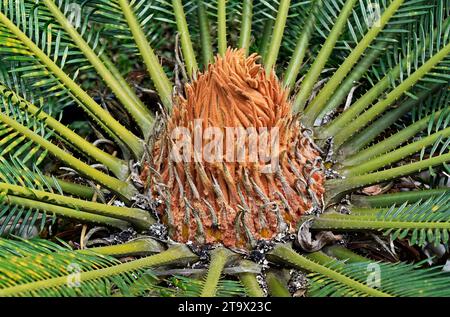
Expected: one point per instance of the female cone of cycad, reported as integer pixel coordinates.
(234, 202)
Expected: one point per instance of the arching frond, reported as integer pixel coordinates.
(24, 270)
(426, 221)
(330, 277)
(43, 55)
(401, 279)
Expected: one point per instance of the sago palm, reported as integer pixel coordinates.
(93, 202)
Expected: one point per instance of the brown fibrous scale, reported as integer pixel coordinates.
(231, 201)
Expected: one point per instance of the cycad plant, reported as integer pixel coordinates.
(95, 95)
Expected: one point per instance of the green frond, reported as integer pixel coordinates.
(25, 271)
(251, 285)
(409, 84)
(302, 44)
(219, 258)
(388, 200)
(335, 188)
(222, 26)
(428, 146)
(278, 30)
(189, 287)
(40, 118)
(205, 34)
(131, 102)
(329, 277)
(43, 58)
(277, 283)
(423, 112)
(400, 279)
(154, 68)
(425, 221)
(185, 38)
(316, 105)
(65, 206)
(14, 143)
(246, 25)
(424, 71)
(29, 198)
(331, 271)
(436, 143)
(15, 219)
(316, 68)
(29, 134)
(108, 15)
(23, 132)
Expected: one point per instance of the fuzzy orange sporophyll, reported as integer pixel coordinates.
(239, 196)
